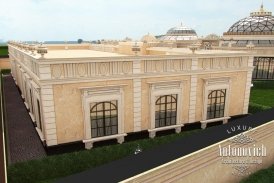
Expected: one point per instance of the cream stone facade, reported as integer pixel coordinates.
(88, 93)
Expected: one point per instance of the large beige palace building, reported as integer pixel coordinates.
(75, 93)
(94, 92)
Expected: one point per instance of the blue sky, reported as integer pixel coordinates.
(115, 19)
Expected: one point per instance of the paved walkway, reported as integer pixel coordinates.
(23, 141)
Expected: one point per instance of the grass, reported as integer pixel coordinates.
(261, 96)
(262, 176)
(3, 50)
(50, 168)
(263, 93)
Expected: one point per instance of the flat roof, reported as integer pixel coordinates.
(81, 53)
(186, 51)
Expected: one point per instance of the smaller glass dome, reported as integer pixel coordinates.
(180, 33)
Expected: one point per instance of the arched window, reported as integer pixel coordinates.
(104, 118)
(166, 110)
(216, 104)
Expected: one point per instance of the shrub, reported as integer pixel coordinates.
(253, 108)
(269, 84)
(4, 51)
(5, 71)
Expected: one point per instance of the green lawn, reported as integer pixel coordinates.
(262, 96)
(50, 168)
(3, 50)
(263, 93)
(262, 176)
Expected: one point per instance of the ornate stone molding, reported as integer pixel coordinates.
(222, 63)
(91, 69)
(170, 65)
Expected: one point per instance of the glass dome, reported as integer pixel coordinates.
(180, 33)
(258, 22)
(253, 24)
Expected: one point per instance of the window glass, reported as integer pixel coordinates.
(165, 110)
(103, 118)
(216, 104)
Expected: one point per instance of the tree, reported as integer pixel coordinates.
(80, 41)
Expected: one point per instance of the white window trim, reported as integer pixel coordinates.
(101, 94)
(216, 84)
(165, 88)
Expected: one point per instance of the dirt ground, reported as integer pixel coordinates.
(4, 63)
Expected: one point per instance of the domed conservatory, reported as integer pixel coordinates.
(255, 33)
(181, 35)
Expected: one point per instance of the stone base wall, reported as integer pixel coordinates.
(206, 164)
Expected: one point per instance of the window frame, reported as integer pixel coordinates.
(94, 110)
(166, 88)
(165, 104)
(215, 100)
(216, 84)
(100, 94)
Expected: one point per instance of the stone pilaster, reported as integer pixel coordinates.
(49, 115)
